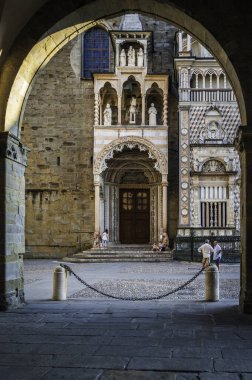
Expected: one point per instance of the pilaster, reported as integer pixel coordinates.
(244, 146)
(13, 160)
(184, 166)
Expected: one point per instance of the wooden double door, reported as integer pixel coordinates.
(134, 216)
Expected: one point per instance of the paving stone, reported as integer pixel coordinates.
(22, 373)
(219, 376)
(186, 376)
(109, 362)
(233, 353)
(234, 365)
(72, 374)
(137, 375)
(246, 376)
(134, 351)
(135, 341)
(63, 349)
(196, 353)
(130, 332)
(57, 339)
(161, 364)
(181, 342)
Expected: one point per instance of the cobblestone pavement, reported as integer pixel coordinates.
(130, 279)
(100, 339)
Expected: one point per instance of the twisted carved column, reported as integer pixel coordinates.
(96, 110)
(165, 105)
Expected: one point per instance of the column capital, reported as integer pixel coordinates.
(12, 148)
(243, 140)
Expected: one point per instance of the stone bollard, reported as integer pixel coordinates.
(59, 284)
(212, 283)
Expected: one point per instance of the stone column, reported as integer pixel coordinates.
(180, 41)
(145, 55)
(143, 109)
(165, 109)
(97, 203)
(188, 42)
(96, 110)
(164, 196)
(12, 220)
(117, 54)
(119, 109)
(244, 145)
(102, 208)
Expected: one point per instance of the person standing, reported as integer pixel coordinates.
(206, 249)
(217, 254)
(105, 239)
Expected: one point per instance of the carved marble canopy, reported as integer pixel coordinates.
(130, 142)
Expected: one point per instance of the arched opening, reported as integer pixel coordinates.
(22, 84)
(131, 102)
(155, 96)
(108, 96)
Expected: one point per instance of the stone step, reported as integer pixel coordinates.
(107, 252)
(107, 255)
(139, 247)
(115, 259)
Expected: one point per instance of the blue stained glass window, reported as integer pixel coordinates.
(95, 52)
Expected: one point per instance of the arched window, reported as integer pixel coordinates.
(95, 52)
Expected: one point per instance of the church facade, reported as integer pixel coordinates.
(209, 162)
(136, 137)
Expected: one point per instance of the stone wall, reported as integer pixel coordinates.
(58, 129)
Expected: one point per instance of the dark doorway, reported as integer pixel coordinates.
(134, 216)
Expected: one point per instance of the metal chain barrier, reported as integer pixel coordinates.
(68, 269)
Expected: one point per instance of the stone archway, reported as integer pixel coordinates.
(20, 67)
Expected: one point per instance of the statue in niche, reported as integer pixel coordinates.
(132, 110)
(140, 57)
(123, 58)
(131, 56)
(107, 115)
(152, 115)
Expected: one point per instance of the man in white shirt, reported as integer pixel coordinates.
(217, 254)
(206, 250)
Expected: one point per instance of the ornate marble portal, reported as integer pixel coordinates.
(130, 137)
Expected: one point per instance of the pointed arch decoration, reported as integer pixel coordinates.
(130, 142)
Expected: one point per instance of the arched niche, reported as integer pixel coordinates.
(154, 95)
(137, 46)
(108, 95)
(131, 94)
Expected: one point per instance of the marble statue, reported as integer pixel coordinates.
(131, 56)
(107, 115)
(152, 115)
(132, 110)
(123, 58)
(140, 58)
